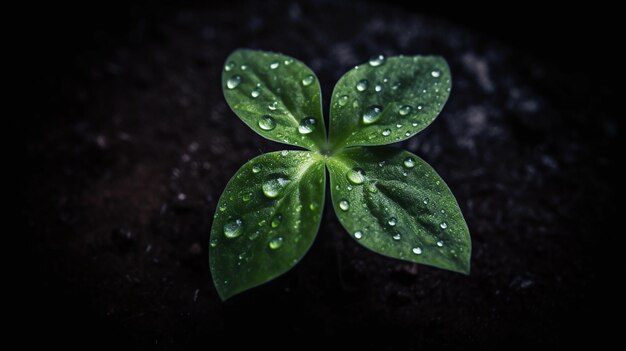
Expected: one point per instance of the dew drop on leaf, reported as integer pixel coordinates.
(233, 228)
(443, 225)
(409, 162)
(273, 106)
(277, 220)
(405, 110)
(372, 114)
(378, 88)
(307, 125)
(256, 169)
(233, 81)
(343, 100)
(308, 80)
(276, 243)
(213, 242)
(392, 221)
(397, 237)
(440, 243)
(377, 61)
(255, 93)
(417, 250)
(244, 67)
(386, 132)
(435, 74)
(358, 234)
(272, 188)
(274, 65)
(362, 85)
(356, 176)
(246, 197)
(254, 235)
(229, 66)
(267, 122)
(344, 205)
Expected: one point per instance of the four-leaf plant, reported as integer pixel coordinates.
(389, 200)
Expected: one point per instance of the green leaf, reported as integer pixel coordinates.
(266, 219)
(395, 204)
(277, 96)
(387, 100)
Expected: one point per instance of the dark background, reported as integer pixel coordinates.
(126, 114)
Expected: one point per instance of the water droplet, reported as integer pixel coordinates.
(308, 80)
(443, 211)
(233, 81)
(398, 125)
(405, 174)
(419, 107)
(392, 221)
(377, 60)
(380, 164)
(386, 132)
(274, 65)
(255, 93)
(397, 237)
(417, 250)
(273, 187)
(244, 67)
(358, 234)
(312, 206)
(414, 124)
(409, 162)
(277, 220)
(307, 125)
(356, 176)
(287, 62)
(222, 208)
(372, 188)
(443, 225)
(378, 88)
(273, 106)
(233, 228)
(407, 134)
(405, 110)
(435, 74)
(229, 66)
(276, 243)
(440, 243)
(426, 201)
(267, 122)
(284, 153)
(362, 85)
(246, 197)
(256, 169)
(343, 100)
(372, 114)
(344, 205)
(213, 242)
(254, 235)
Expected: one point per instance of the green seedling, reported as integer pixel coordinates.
(389, 200)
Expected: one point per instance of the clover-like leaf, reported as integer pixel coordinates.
(394, 203)
(266, 219)
(275, 95)
(387, 100)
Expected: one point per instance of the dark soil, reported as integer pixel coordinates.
(133, 144)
